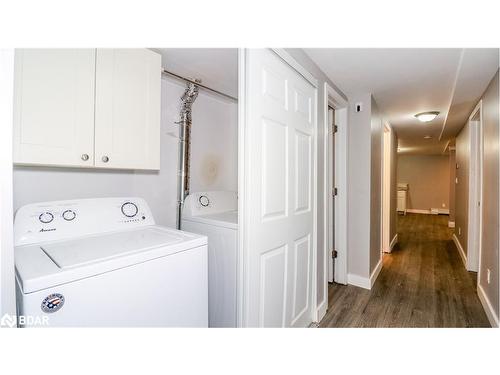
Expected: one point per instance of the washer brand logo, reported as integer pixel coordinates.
(52, 303)
(47, 230)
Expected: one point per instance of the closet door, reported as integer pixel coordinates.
(127, 113)
(279, 193)
(54, 107)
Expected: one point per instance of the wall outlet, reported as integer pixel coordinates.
(488, 275)
(459, 231)
(443, 205)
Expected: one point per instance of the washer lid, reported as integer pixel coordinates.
(228, 219)
(74, 253)
(45, 265)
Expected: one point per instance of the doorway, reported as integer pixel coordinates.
(475, 189)
(335, 194)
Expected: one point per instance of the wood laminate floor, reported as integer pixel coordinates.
(423, 283)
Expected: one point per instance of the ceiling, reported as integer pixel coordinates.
(216, 67)
(404, 82)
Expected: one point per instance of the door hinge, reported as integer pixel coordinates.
(335, 192)
(334, 254)
(335, 128)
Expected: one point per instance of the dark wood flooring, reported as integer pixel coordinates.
(423, 283)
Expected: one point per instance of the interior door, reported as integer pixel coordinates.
(127, 108)
(54, 107)
(279, 191)
(331, 201)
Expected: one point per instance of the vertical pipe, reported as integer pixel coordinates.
(187, 101)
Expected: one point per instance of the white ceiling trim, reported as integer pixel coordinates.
(457, 74)
(446, 146)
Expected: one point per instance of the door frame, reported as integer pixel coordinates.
(333, 98)
(243, 208)
(473, 262)
(386, 189)
(7, 276)
(330, 179)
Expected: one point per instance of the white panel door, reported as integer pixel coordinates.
(54, 107)
(279, 189)
(127, 113)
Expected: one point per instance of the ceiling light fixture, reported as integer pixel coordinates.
(428, 137)
(427, 116)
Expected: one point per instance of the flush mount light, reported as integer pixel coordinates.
(427, 116)
(428, 137)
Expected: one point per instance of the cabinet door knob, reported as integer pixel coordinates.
(85, 157)
(105, 159)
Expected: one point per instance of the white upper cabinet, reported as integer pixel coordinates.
(87, 107)
(54, 107)
(127, 108)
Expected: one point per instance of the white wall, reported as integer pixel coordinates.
(359, 207)
(7, 294)
(214, 135)
(365, 189)
(428, 177)
(214, 145)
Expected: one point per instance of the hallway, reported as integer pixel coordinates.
(423, 283)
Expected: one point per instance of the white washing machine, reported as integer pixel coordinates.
(215, 215)
(104, 262)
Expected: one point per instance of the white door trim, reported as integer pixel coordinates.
(334, 99)
(241, 288)
(285, 56)
(386, 188)
(7, 278)
(475, 191)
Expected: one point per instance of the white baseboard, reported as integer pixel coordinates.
(437, 211)
(460, 250)
(356, 280)
(321, 310)
(393, 242)
(365, 282)
(375, 273)
(488, 308)
(451, 224)
(418, 211)
(432, 211)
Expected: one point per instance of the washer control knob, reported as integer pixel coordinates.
(46, 217)
(68, 215)
(129, 209)
(204, 201)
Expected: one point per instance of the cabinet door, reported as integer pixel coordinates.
(54, 107)
(127, 117)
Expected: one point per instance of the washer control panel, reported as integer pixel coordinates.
(51, 221)
(210, 202)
